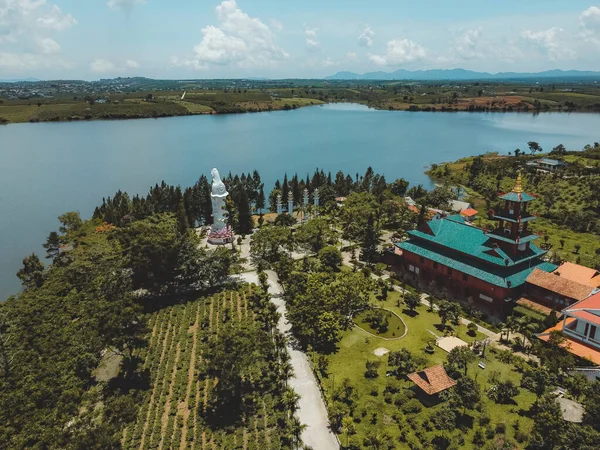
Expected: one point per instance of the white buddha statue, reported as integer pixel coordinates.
(218, 195)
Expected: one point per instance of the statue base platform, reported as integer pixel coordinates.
(220, 237)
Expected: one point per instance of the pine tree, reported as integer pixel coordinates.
(285, 189)
(182, 219)
(244, 216)
(369, 245)
(260, 200)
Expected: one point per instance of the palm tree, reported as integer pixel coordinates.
(286, 372)
(289, 400)
(295, 431)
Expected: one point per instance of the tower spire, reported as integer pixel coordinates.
(518, 189)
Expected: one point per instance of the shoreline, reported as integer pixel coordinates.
(412, 109)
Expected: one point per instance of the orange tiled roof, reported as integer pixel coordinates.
(469, 212)
(559, 284)
(432, 380)
(579, 274)
(573, 346)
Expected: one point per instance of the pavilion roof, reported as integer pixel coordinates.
(562, 286)
(432, 380)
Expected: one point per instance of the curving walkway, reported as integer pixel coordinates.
(311, 408)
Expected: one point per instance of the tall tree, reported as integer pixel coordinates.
(32, 272)
(244, 217)
(369, 245)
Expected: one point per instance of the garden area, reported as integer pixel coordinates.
(385, 407)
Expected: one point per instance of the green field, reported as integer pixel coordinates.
(393, 413)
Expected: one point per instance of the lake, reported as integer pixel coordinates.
(47, 169)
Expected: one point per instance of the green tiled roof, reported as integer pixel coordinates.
(471, 241)
(519, 198)
(522, 240)
(512, 219)
(498, 276)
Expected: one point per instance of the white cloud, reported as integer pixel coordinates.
(550, 42)
(590, 18)
(102, 65)
(328, 62)
(469, 44)
(276, 24)
(366, 37)
(400, 52)
(24, 29)
(10, 61)
(312, 43)
(352, 56)
(590, 25)
(239, 41)
(26, 19)
(56, 20)
(48, 46)
(124, 5)
(106, 66)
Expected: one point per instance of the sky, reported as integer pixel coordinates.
(179, 39)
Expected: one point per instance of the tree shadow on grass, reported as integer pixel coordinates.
(465, 420)
(410, 313)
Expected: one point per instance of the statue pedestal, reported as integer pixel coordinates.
(222, 237)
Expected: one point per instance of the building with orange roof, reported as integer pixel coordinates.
(469, 213)
(432, 380)
(553, 290)
(581, 327)
(579, 274)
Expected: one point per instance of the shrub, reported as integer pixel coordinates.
(412, 406)
(330, 257)
(521, 436)
(372, 367)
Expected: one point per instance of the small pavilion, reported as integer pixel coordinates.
(432, 380)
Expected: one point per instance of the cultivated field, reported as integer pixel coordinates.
(173, 415)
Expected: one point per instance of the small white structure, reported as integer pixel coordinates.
(220, 231)
(450, 342)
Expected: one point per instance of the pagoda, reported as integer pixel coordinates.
(487, 266)
(512, 233)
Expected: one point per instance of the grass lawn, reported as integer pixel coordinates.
(377, 411)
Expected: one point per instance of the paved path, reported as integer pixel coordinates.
(311, 408)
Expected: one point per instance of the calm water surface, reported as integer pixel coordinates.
(47, 169)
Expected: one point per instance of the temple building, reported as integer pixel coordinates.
(490, 266)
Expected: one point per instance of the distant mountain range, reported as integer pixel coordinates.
(20, 80)
(460, 74)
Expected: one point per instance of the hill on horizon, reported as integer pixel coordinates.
(460, 74)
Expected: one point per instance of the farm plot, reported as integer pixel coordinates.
(178, 412)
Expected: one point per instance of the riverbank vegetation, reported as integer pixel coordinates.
(68, 101)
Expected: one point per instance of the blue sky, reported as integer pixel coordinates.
(91, 39)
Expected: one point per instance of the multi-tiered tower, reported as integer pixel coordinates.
(512, 234)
